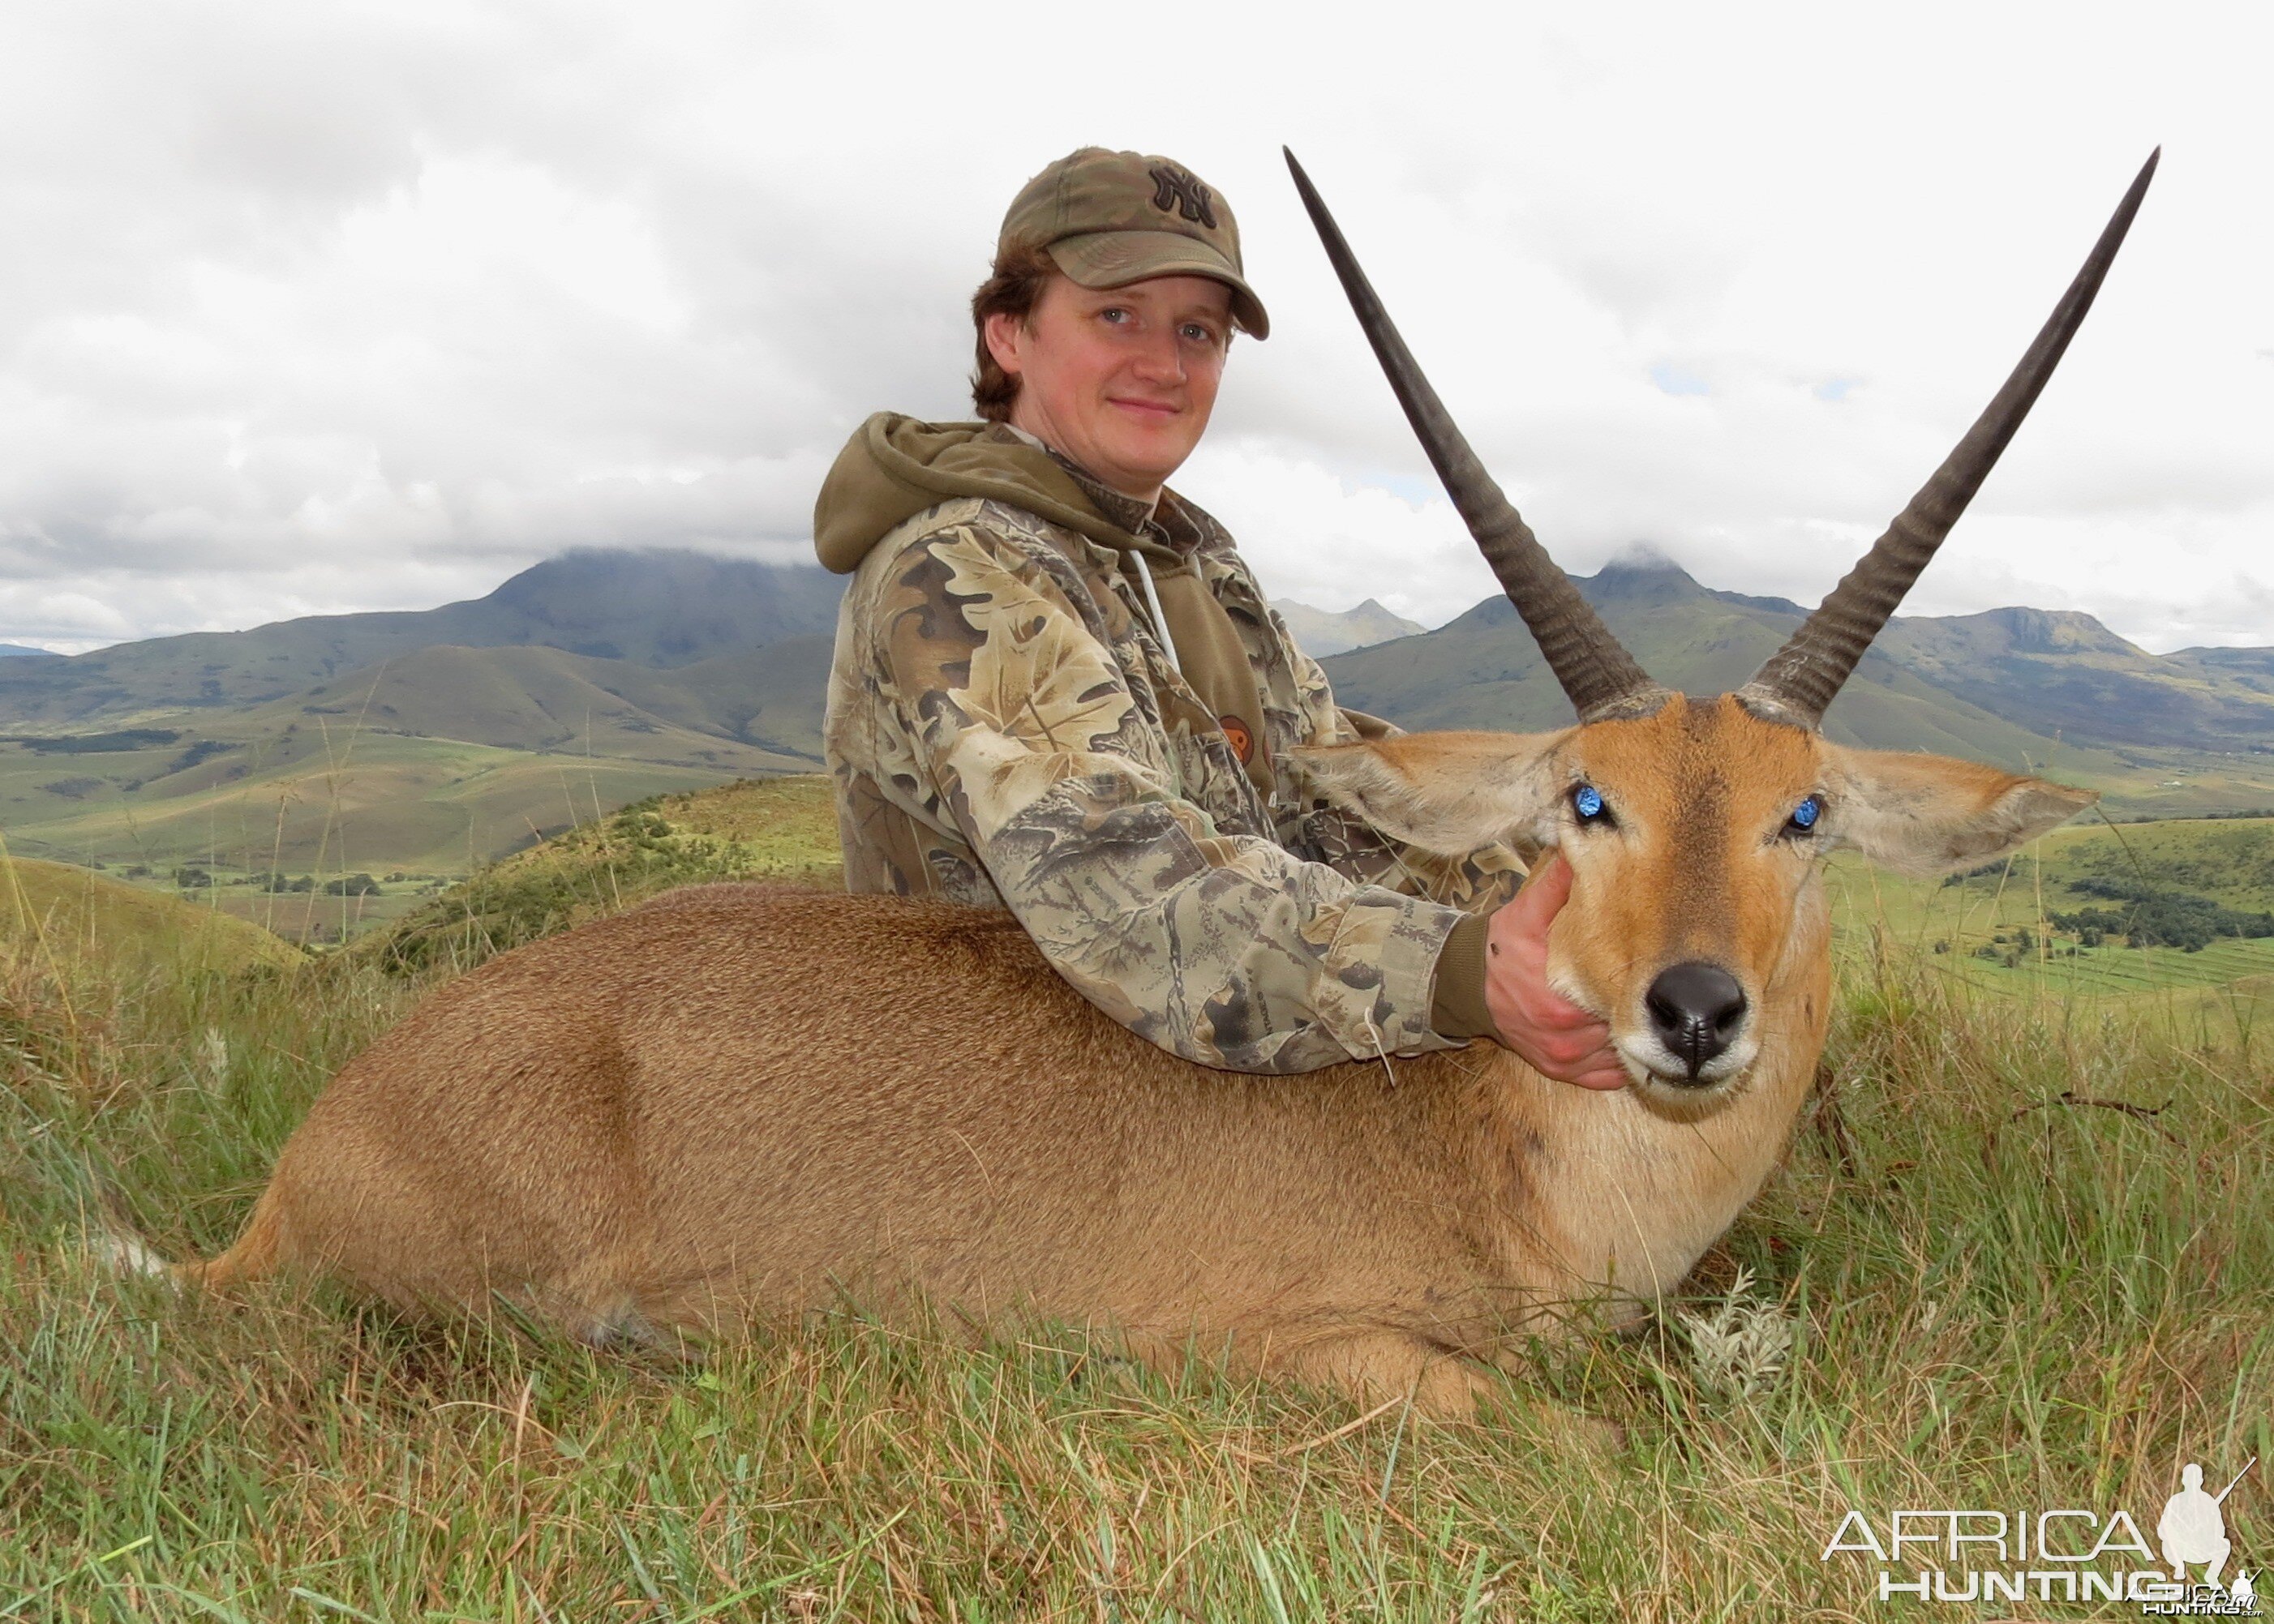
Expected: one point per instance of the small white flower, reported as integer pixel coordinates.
(1738, 1348)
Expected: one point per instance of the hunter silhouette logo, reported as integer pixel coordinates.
(2064, 1553)
(2193, 1529)
(1174, 188)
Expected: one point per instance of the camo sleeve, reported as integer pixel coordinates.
(1217, 944)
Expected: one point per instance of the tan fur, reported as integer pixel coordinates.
(739, 1099)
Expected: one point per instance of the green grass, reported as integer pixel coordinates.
(2026, 1247)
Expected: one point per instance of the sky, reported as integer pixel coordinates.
(311, 307)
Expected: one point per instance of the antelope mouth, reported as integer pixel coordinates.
(1650, 1061)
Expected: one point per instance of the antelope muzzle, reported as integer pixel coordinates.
(1697, 1012)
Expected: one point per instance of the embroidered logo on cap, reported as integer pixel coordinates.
(1175, 188)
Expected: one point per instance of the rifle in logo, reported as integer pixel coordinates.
(1174, 188)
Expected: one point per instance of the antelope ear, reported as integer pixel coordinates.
(1928, 814)
(1445, 792)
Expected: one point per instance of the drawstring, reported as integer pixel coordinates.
(1379, 1053)
(1160, 620)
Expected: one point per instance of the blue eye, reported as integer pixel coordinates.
(1805, 816)
(1587, 802)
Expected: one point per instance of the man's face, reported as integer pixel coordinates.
(1122, 380)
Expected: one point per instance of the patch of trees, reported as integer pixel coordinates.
(85, 744)
(350, 885)
(198, 752)
(1986, 871)
(2156, 918)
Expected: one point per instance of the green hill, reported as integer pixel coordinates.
(2012, 927)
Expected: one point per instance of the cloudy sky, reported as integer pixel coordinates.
(310, 306)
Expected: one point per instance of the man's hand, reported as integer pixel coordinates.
(1552, 1034)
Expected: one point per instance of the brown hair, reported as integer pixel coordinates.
(1018, 280)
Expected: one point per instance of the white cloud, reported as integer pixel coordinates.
(320, 308)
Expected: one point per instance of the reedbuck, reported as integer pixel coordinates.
(737, 1100)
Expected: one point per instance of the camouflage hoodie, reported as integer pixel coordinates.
(1008, 727)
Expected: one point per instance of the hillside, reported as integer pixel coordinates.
(59, 911)
(766, 700)
(783, 830)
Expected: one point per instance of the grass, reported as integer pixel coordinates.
(2024, 1248)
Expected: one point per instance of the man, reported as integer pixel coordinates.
(1058, 689)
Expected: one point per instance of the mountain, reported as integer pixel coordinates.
(2020, 688)
(12, 650)
(2066, 670)
(658, 609)
(429, 742)
(1483, 670)
(1321, 632)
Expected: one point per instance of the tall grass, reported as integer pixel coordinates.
(2025, 1254)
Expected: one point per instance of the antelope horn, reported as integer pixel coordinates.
(1600, 678)
(1800, 679)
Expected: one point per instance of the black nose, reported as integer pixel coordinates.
(1697, 1010)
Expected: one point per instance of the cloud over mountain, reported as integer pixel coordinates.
(311, 309)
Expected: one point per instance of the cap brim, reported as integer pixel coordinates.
(1116, 259)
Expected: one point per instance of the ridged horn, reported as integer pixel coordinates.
(1800, 680)
(1600, 678)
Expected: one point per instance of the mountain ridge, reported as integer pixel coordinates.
(607, 676)
(662, 608)
(2011, 684)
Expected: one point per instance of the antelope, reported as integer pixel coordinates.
(741, 1100)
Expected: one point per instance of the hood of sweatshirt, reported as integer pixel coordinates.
(894, 467)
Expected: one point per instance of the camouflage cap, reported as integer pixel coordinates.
(1111, 218)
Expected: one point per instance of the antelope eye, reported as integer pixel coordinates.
(1587, 802)
(1805, 816)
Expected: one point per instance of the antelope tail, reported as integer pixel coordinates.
(114, 1243)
